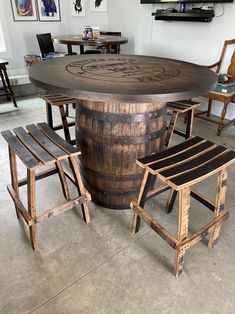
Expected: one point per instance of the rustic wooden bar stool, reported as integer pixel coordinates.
(52, 99)
(180, 167)
(37, 147)
(185, 107)
(6, 89)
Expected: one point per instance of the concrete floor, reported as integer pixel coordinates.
(103, 267)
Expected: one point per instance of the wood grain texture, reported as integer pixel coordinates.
(123, 78)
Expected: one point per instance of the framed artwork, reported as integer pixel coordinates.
(49, 10)
(77, 7)
(98, 5)
(24, 10)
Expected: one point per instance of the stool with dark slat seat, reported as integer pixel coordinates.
(185, 107)
(180, 167)
(59, 101)
(39, 146)
(6, 89)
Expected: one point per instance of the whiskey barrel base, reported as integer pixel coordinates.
(111, 137)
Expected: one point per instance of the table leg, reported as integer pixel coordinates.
(70, 50)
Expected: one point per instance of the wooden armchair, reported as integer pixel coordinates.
(226, 98)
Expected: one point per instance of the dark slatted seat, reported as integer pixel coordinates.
(186, 107)
(180, 168)
(39, 146)
(63, 103)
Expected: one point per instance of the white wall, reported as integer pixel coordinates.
(23, 34)
(189, 41)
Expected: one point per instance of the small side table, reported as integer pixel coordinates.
(6, 89)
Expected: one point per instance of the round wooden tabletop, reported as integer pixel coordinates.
(123, 78)
(103, 40)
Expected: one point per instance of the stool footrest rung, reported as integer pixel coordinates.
(19, 205)
(155, 225)
(204, 231)
(61, 208)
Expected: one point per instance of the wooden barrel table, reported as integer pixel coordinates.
(121, 114)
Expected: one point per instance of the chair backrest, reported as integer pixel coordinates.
(115, 48)
(231, 67)
(111, 33)
(45, 44)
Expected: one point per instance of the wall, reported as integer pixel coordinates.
(23, 34)
(189, 41)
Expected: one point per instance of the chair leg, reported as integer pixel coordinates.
(189, 127)
(14, 177)
(32, 207)
(219, 205)
(65, 124)
(49, 115)
(171, 200)
(209, 107)
(146, 186)
(184, 204)
(80, 187)
(9, 87)
(63, 180)
(223, 114)
(171, 129)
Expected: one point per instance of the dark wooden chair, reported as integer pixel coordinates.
(62, 103)
(225, 98)
(185, 107)
(6, 89)
(180, 168)
(37, 147)
(114, 48)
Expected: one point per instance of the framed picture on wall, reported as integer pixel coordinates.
(24, 10)
(77, 7)
(98, 5)
(48, 10)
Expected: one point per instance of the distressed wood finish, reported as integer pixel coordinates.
(112, 137)
(38, 147)
(180, 167)
(185, 107)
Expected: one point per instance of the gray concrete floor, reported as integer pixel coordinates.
(103, 267)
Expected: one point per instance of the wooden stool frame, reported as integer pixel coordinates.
(183, 241)
(52, 99)
(19, 145)
(186, 107)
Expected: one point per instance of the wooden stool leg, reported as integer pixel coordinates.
(184, 204)
(65, 124)
(171, 129)
(219, 205)
(32, 207)
(171, 200)
(209, 107)
(9, 87)
(63, 180)
(189, 128)
(14, 177)
(146, 185)
(80, 187)
(49, 115)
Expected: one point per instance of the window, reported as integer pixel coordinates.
(5, 46)
(2, 42)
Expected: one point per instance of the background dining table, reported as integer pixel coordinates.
(121, 115)
(76, 40)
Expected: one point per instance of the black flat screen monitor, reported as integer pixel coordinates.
(185, 1)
